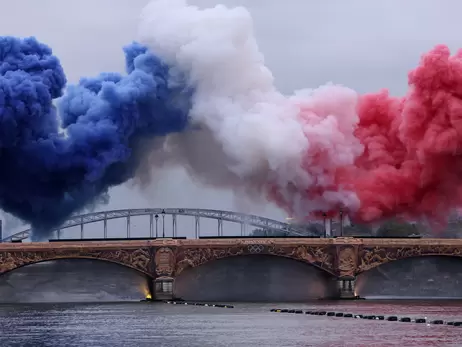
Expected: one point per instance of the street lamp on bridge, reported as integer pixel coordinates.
(157, 218)
(163, 223)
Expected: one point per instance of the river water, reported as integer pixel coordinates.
(159, 324)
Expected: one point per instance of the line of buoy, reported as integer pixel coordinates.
(197, 304)
(370, 317)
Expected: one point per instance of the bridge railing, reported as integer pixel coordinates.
(157, 223)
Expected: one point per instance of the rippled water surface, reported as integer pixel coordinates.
(144, 324)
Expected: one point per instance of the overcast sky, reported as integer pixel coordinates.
(364, 44)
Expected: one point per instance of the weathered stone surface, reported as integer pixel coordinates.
(341, 257)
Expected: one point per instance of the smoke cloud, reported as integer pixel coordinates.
(286, 148)
(53, 166)
(318, 150)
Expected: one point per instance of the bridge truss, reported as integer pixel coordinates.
(157, 215)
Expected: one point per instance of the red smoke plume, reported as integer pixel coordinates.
(411, 165)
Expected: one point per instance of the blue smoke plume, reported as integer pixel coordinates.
(56, 160)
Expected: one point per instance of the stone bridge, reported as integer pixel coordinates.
(163, 260)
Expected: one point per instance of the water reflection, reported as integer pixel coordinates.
(247, 325)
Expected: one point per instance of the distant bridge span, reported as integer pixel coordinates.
(159, 213)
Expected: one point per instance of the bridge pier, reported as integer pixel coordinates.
(347, 287)
(163, 288)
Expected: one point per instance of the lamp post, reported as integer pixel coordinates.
(163, 223)
(325, 225)
(341, 222)
(156, 217)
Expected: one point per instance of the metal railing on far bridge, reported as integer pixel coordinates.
(158, 217)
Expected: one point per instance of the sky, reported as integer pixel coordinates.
(364, 44)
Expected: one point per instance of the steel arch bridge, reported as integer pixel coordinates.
(156, 213)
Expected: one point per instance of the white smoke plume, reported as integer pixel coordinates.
(245, 134)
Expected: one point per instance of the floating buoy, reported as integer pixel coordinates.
(438, 321)
(369, 317)
(197, 304)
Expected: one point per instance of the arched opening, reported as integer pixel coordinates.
(255, 278)
(73, 280)
(415, 277)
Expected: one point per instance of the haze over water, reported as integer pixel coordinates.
(143, 324)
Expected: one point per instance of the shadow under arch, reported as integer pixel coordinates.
(255, 278)
(416, 276)
(73, 279)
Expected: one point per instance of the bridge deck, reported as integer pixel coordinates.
(369, 242)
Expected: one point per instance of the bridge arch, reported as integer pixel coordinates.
(160, 213)
(319, 257)
(243, 277)
(71, 258)
(373, 259)
(137, 259)
(80, 279)
(423, 276)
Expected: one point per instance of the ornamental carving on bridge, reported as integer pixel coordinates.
(138, 259)
(165, 261)
(320, 256)
(347, 260)
(370, 257)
